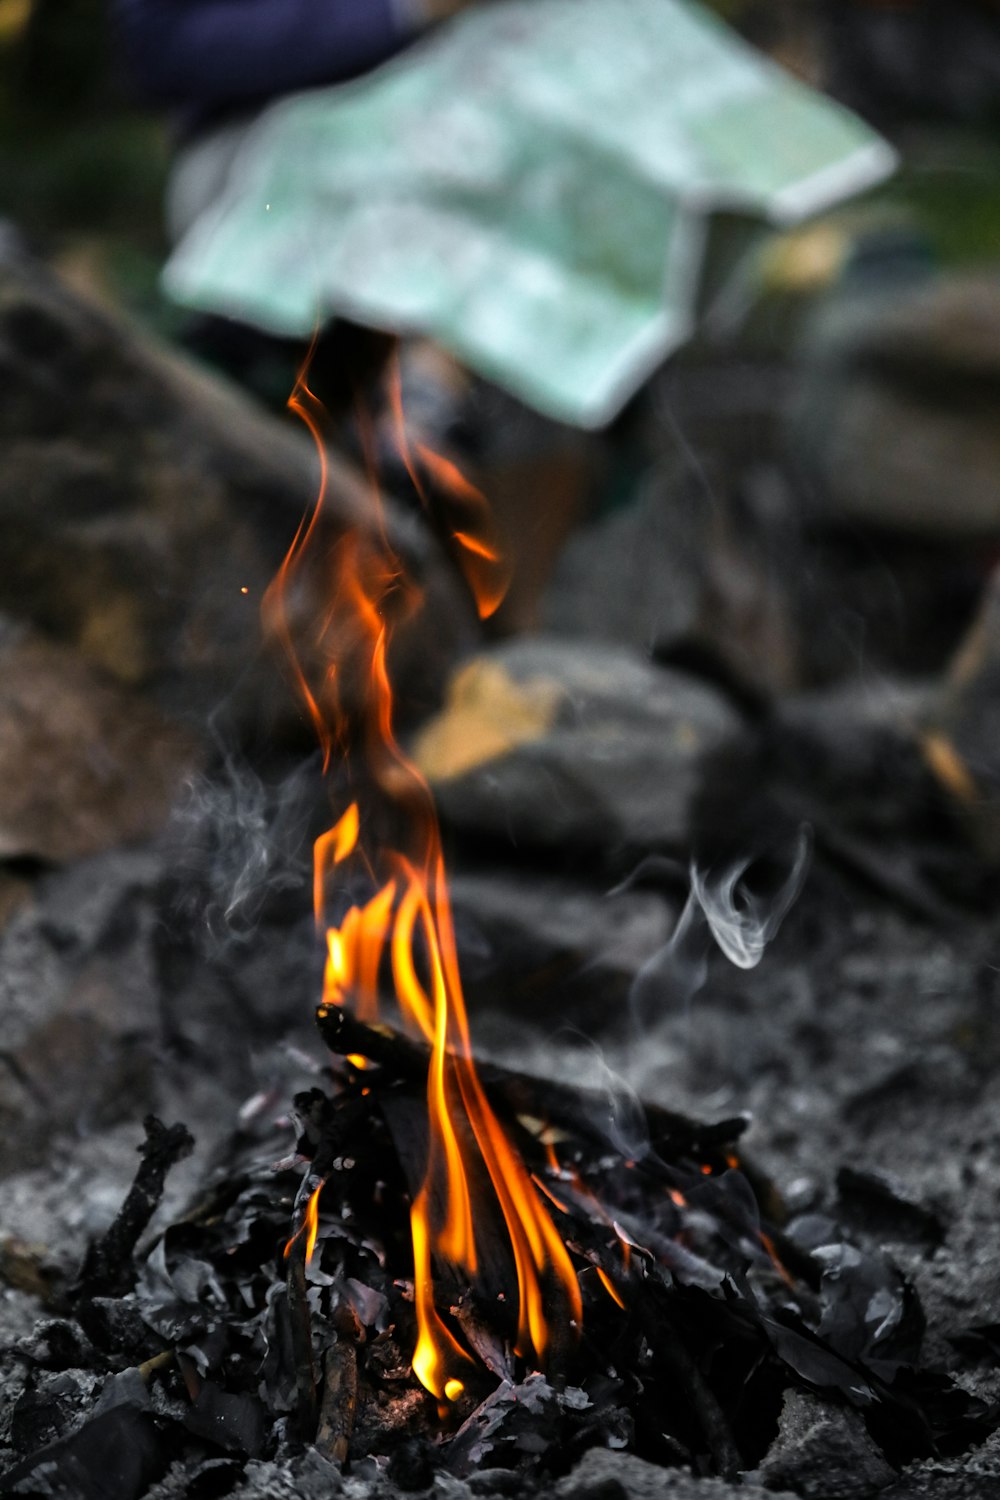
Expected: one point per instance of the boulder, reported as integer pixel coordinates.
(895, 420)
(680, 575)
(85, 764)
(573, 747)
(853, 763)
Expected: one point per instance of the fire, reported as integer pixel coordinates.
(469, 519)
(582, 1191)
(407, 923)
(309, 1226)
(610, 1287)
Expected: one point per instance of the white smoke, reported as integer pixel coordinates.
(723, 906)
(236, 843)
(741, 920)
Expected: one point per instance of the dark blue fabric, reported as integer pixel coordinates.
(212, 55)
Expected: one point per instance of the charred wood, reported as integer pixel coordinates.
(519, 1095)
(339, 1401)
(108, 1268)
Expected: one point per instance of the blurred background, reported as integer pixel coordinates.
(850, 360)
(798, 510)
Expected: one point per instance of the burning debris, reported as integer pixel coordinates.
(488, 1278)
(232, 1338)
(462, 1269)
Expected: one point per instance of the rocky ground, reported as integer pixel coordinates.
(692, 699)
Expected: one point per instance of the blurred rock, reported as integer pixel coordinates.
(945, 332)
(550, 949)
(628, 577)
(847, 755)
(856, 744)
(84, 764)
(894, 63)
(605, 1475)
(850, 762)
(896, 416)
(962, 736)
(823, 1452)
(15, 893)
(687, 574)
(609, 767)
(145, 506)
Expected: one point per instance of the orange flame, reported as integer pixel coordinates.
(479, 556)
(582, 1191)
(610, 1287)
(479, 553)
(309, 1226)
(775, 1259)
(408, 920)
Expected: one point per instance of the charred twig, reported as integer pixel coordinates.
(299, 1317)
(108, 1268)
(300, 1323)
(709, 1414)
(519, 1093)
(477, 1424)
(340, 1388)
(483, 1338)
(345, 1035)
(322, 1128)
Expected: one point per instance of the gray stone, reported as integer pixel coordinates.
(969, 1476)
(544, 946)
(608, 761)
(823, 1452)
(673, 571)
(605, 1475)
(84, 763)
(308, 1476)
(945, 330)
(848, 761)
(853, 739)
(630, 577)
(895, 459)
(896, 416)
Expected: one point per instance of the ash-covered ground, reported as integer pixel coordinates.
(863, 1045)
(725, 671)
